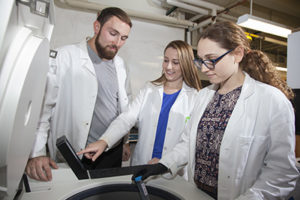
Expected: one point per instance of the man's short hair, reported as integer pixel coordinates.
(109, 12)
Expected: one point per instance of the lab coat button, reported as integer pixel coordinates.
(228, 176)
(87, 124)
(169, 128)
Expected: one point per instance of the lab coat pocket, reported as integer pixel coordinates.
(254, 163)
(242, 154)
(256, 156)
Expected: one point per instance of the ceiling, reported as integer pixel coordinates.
(197, 14)
(285, 12)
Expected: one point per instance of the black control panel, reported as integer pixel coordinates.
(81, 172)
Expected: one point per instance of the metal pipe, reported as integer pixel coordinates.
(220, 12)
(232, 6)
(201, 24)
(171, 10)
(195, 17)
(189, 37)
(275, 41)
(95, 7)
(228, 17)
(203, 4)
(268, 39)
(188, 7)
(251, 3)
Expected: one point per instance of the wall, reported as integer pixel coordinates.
(143, 51)
(293, 60)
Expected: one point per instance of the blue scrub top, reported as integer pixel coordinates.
(168, 101)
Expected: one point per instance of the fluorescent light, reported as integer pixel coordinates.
(256, 23)
(283, 69)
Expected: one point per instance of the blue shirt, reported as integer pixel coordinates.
(168, 101)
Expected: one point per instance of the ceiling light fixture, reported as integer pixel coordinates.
(256, 23)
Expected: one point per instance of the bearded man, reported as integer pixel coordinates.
(87, 88)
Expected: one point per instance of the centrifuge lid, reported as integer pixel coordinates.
(23, 74)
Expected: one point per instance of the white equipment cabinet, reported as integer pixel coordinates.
(26, 27)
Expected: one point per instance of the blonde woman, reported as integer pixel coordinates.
(161, 109)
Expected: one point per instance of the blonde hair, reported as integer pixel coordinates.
(186, 60)
(257, 64)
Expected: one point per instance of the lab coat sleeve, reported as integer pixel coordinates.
(39, 148)
(128, 85)
(129, 96)
(176, 159)
(125, 121)
(279, 174)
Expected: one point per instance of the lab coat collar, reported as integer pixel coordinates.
(85, 58)
(231, 130)
(84, 52)
(185, 88)
(247, 88)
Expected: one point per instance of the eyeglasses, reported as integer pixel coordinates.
(210, 63)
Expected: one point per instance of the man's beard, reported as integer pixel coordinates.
(103, 52)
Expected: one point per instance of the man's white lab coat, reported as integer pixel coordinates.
(70, 99)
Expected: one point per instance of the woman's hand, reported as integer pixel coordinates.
(153, 161)
(126, 152)
(94, 150)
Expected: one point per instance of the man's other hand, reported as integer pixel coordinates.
(39, 168)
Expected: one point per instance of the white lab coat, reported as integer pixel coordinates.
(257, 159)
(145, 110)
(70, 99)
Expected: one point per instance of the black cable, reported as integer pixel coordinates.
(26, 183)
